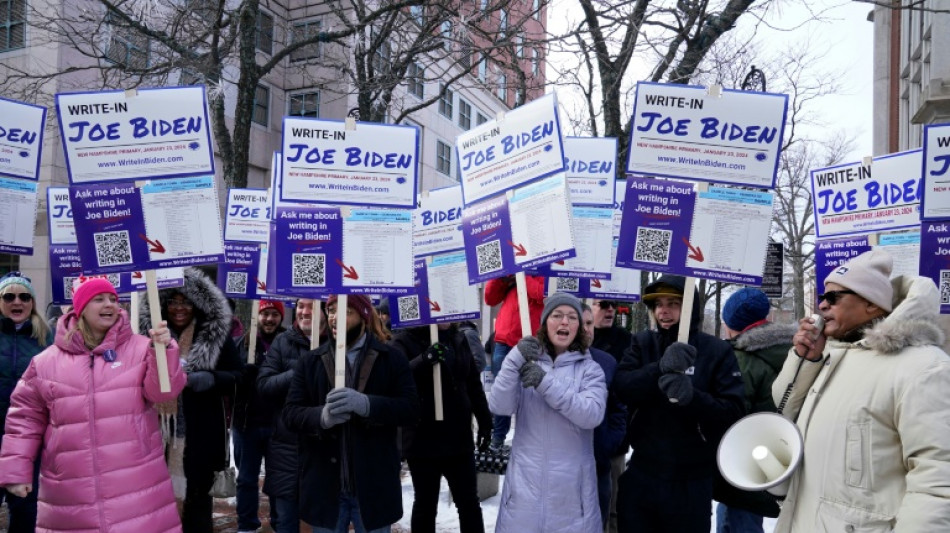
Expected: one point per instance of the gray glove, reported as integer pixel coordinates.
(345, 400)
(531, 374)
(677, 387)
(200, 380)
(678, 357)
(530, 348)
(328, 420)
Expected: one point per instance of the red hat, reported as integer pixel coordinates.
(86, 288)
(271, 304)
(358, 302)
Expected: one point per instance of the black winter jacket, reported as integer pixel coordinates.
(250, 409)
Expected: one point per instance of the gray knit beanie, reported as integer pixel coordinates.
(869, 275)
(558, 299)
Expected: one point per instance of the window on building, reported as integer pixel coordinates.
(417, 13)
(305, 105)
(536, 9)
(502, 23)
(519, 96)
(519, 46)
(483, 70)
(127, 47)
(447, 102)
(483, 4)
(12, 24)
(465, 115)
(480, 119)
(264, 36)
(381, 58)
(302, 31)
(446, 31)
(536, 63)
(261, 105)
(503, 87)
(443, 158)
(415, 79)
(466, 52)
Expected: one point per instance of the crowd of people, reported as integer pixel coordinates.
(614, 431)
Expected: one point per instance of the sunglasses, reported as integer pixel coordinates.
(606, 304)
(25, 297)
(832, 297)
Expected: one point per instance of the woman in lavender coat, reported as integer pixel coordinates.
(558, 396)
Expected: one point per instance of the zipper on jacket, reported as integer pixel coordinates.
(699, 429)
(92, 434)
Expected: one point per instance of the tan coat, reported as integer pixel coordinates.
(875, 416)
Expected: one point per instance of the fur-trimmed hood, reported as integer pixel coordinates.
(764, 336)
(915, 320)
(212, 318)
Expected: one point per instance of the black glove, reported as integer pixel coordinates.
(437, 353)
(200, 380)
(531, 374)
(677, 387)
(530, 348)
(484, 439)
(678, 357)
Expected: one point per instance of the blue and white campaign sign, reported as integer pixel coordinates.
(437, 222)
(182, 222)
(304, 256)
(110, 228)
(64, 267)
(655, 228)
(247, 216)
(165, 278)
(18, 200)
(854, 199)
(135, 135)
(681, 131)
(237, 276)
(904, 247)
(442, 293)
(488, 245)
(591, 167)
(624, 284)
(935, 258)
(936, 187)
(377, 251)
(21, 139)
(373, 165)
(500, 155)
(832, 253)
(593, 235)
(59, 216)
(730, 235)
(541, 222)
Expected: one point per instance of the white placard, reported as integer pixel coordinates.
(21, 139)
(18, 215)
(905, 249)
(541, 220)
(731, 228)
(135, 135)
(936, 200)
(377, 246)
(59, 215)
(591, 167)
(375, 164)
(164, 277)
(593, 234)
(524, 146)
(623, 282)
(437, 222)
(183, 215)
(247, 216)
(682, 131)
(449, 290)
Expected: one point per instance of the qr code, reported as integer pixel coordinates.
(408, 308)
(309, 270)
(237, 283)
(567, 284)
(653, 245)
(944, 287)
(68, 287)
(113, 248)
(114, 279)
(489, 256)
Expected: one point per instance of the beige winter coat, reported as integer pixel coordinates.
(875, 416)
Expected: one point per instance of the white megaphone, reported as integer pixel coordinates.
(761, 452)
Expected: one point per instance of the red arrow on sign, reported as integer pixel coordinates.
(349, 272)
(156, 245)
(595, 283)
(137, 275)
(261, 285)
(519, 249)
(435, 305)
(695, 252)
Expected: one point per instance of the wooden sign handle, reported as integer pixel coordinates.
(252, 334)
(339, 378)
(436, 377)
(155, 310)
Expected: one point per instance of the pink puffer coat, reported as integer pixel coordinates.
(98, 437)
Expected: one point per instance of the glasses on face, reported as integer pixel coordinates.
(571, 317)
(25, 297)
(832, 297)
(606, 304)
(180, 304)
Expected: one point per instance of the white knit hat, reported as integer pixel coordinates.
(869, 275)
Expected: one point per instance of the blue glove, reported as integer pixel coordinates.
(200, 380)
(530, 348)
(328, 420)
(345, 400)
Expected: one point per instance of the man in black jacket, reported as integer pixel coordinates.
(444, 448)
(685, 397)
(349, 461)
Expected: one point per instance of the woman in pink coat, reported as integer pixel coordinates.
(84, 406)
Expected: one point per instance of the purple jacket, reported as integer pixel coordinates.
(92, 424)
(551, 482)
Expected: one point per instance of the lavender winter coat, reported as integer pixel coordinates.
(98, 437)
(551, 482)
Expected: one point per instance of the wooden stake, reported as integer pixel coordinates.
(436, 376)
(340, 373)
(155, 309)
(252, 335)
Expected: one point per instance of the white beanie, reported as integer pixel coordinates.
(869, 275)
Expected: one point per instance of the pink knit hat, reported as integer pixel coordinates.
(85, 289)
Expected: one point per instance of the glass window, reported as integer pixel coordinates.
(127, 47)
(443, 158)
(12, 24)
(465, 115)
(261, 105)
(302, 31)
(447, 35)
(415, 79)
(264, 36)
(447, 103)
(503, 87)
(305, 105)
(480, 119)
(483, 69)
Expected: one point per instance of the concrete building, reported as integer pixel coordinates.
(310, 82)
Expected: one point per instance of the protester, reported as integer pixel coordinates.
(199, 317)
(559, 396)
(437, 449)
(251, 423)
(508, 330)
(613, 429)
(685, 397)
(23, 334)
(349, 460)
(282, 476)
(84, 408)
(869, 393)
(470, 331)
(382, 310)
(760, 347)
